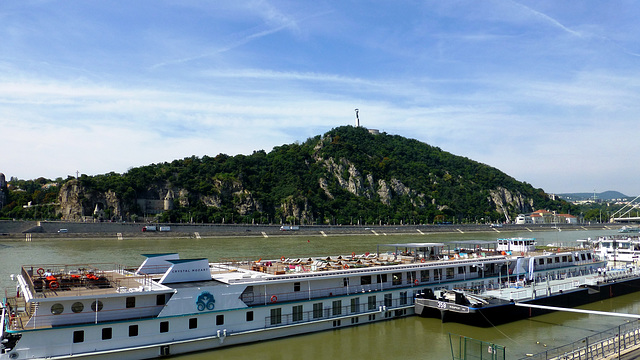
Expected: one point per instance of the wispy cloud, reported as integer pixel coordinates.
(545, 18)
(496, 81)
(273, 21)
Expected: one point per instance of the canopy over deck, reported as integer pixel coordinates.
(416, 250)
(490, 245)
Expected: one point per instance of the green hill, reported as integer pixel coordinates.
(346, 176)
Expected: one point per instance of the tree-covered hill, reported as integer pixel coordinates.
(346, 176)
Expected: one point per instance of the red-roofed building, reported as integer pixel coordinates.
(568, 218)
(543, 217)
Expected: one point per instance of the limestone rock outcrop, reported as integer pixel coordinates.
(80, 204)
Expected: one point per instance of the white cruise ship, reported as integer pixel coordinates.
(617, 248)
(170, 306)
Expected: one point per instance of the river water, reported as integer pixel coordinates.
(407, 338)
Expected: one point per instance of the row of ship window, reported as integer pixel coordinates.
(78, 307)
(275, 318)
(107, 332)
(336, 309)
(397, 278)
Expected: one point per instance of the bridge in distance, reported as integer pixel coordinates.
(627, 211)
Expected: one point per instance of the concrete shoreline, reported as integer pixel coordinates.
(19, 230)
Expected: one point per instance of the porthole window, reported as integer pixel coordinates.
(93, 306)
(57, 309)
(77, 307)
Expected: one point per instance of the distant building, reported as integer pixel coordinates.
(536, 219)
(157, 206)
(546, 217)
(151, 206)
(168, 201)
(543, 217)
(523, 219)
(568, 218)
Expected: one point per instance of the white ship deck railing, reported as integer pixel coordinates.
(565, 282)
(45, 281)
(489, 282)
(26, 311)
(319, 266)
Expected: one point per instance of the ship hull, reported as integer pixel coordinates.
(505, 311)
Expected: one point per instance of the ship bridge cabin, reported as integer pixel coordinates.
(521, 245)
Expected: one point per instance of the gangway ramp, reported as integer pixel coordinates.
(593, 312)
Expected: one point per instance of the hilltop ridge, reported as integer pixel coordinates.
(602, 196)
(346, 176)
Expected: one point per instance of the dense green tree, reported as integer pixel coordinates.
(300, 182)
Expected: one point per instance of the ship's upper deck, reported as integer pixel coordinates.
(51, 281)
(48, 281)
(423, 255)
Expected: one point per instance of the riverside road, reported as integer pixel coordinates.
(52, 229)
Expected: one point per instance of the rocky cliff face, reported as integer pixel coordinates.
(233, 192)
(505, 200)
(78, 203)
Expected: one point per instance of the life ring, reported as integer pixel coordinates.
(346, 266)
(274, 298)
(54, 285)
(40, 271)
(423, 260)
(353, 254)
(281, 258)
(522, 253)
(416, 282)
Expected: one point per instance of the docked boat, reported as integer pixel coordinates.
(547, 279)
(617, 249)
(629, 229)
(169, 305)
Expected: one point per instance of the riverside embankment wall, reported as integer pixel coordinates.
(50, 229)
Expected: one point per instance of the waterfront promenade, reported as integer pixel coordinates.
(49, 229)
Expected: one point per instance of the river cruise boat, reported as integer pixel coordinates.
(539, 283)
(617, 248)
(169, 305)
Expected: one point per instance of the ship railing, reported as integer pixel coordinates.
(26, 316)
(613, 274)
(569, 281)
(358, 263)
(19, 312)
(76, 279)
(335, 309)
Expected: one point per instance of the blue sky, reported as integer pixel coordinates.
(546, 91)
